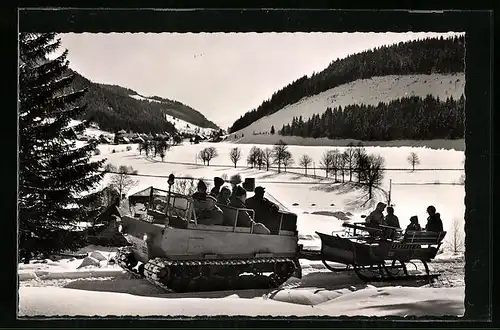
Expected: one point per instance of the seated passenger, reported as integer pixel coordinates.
(376, 217)
(207, 213)
(414, 225)
(218, 182)
(434, 222)
(244, 220)
(224, 196)
(235, 180)
(262, 207)
(390, 219)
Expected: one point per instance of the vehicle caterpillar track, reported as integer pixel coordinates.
(209, 275)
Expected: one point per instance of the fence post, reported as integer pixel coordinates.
(390, 189)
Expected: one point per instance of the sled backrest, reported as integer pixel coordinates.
(233, 215)
(423, 237)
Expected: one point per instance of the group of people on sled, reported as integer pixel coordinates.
(209, 206)
(377, 218)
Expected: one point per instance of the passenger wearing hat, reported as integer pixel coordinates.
(218, 182)
(235, 180)
(262, 207)
(238, 200)
(207, 212)
(414, 225)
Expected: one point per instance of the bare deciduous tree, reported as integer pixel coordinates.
(413, 160)
(207, 154)
(350, 159)
(326, 162)
(305, 161)
(185, 186)
(360, 159)
(121, 180)
(457, 236)
(259, 158)
(252, 156)
(287, 159)
(373, 172)
(343, 157)
(235, 155)
(335, 162)
(279, 153)
(267, 157)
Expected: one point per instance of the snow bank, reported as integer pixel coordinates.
(401, 301)
(396, 301)
(96, 264)
(57, 302)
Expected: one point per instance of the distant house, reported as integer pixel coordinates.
(123, 139)
(105, 140)
(94, 125)
(137, 139)
(82, 138)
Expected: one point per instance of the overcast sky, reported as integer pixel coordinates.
(222, 75)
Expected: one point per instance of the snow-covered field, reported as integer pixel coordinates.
(367, 91)
(61, 288)
(411, 192)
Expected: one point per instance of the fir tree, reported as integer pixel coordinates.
(55, 176)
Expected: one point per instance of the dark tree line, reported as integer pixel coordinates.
(113, 109)
(412, 118)
(430, 55)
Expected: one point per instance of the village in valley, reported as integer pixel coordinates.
(341, 193)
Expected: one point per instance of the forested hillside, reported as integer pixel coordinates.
(427, 56)
(113, 109)
(413, 118)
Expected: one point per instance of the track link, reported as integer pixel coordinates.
(198, 275)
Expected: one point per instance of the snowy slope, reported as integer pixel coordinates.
(181, 125)
(367, 91)
(91, 131)
(186, 127)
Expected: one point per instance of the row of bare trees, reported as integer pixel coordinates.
(259, 158)
(154, 147)
(353, 164)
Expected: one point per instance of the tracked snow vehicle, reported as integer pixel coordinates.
(170, 248)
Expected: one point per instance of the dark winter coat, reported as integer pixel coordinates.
(392, 220)
(376, 217)
(215, 192)
(434, 223)
(244, 219)
(207, 212)
(262, 207)
(413, 227)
